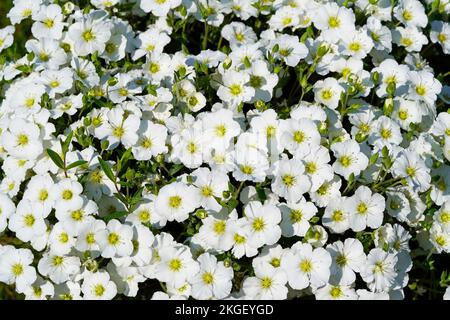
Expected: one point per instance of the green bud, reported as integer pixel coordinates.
(227, 262)
(201, 214)
(360, 137)
(183, 11)
(30, 56)
(373, 2)
(375, 77)
(91, 265)
(275, 48)
(160, 158)
(226, 194)
(112, 82)
(323, 128)
(87, 121)
(390, 89)
(104, 144)
(68, 7)
(388, 107)
(304, 82)
(130, 174)
(227, 63)
(277, 69)
(322, 50)
(260, 105)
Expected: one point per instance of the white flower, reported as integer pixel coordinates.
(337, 215)
(328, 92)
(379, 271)
(234, 88)
(176, 200)
(290, 180)
(22, 139)
(151, 141)
(268, 284)
(263, 222)
(28, 221)
(58, 268)
(115, 240)
(48, 22)
(305, 266)
(296, 217)
(366, 209)
(411, 166)
(98, 286)
(348, 258)
(159, 8)
(15, 267)
(213, 280)
(349, 158)
(176, 265)
(89, 36)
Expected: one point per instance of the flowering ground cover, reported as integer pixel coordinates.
(234, 149)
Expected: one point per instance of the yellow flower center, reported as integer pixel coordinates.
(154, 67)
(49, 23)
(335, 292)
(88, 36)
(385, 133)
(175, 265)
(327, 94)
(258, 224)
(113, 238)
(247, 169)
(235, 89)
(67, 195)
(29, 220)
(345, 161)
(288, 180)
(175, 202)
(266, 283)
(362, 208)
(337, 216)
(43, 195)
(208, 278)
(118, 132)
(421, 90)
(305, 266)
(221, 130)
(207, 191)
(334, 22)
(99, 290)
(219, 227)
(296, 216)
(22, 140)
(299, 137)
(17, 269)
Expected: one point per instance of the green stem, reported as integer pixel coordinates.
(205, 37)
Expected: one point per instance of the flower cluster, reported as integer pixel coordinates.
(233, 149)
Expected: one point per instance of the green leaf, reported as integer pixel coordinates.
(115, 215)
(107, 169)
(232, 203)
(76, 164)
(65, 145)
(175, 169)
(56, 158)
(261, 194)
(373, 158)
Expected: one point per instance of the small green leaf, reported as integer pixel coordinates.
(56, 158)
(65, 145)
(76, 164)
(107, 169)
